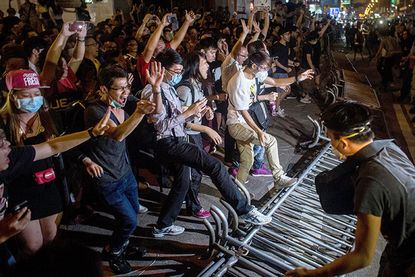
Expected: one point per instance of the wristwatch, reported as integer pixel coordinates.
(91, 134)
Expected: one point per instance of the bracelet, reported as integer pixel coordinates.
(156, 92)
(91, 134)
(81, 40)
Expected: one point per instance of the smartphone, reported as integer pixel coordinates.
(76, 26)
(19, 206)
(174, 22)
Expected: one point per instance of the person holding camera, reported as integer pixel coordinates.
(156, 44)
(384, 195)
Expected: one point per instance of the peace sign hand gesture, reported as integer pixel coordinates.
(102, 126)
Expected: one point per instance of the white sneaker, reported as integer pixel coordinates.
(281, 113)
(172, 230)
(255, 217)
(285, 181)
(142, 209)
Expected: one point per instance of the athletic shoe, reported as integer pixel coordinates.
(305, 100)
(172, 230)
(285, 181)
(135, 252)
(118, 264)
(202, 213)
(261, 172)
(255, 217)
(233, 171)
(281, 113)
(142, 209)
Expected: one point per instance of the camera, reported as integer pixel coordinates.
(76, 26)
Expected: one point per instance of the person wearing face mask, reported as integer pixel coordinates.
(190, 91)
(107, 162)
(170, 120)
(384, 195)
(27, 122)
(242, 90)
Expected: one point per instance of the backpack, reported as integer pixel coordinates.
(258, 111)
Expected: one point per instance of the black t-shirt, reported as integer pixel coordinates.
(281, 51)
(307, 49)
(316, 54)
(109, 153)
(385, 187)
(21, 162)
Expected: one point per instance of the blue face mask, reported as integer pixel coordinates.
(175, 79)
(30, 105)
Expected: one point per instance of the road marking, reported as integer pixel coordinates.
(406, 128)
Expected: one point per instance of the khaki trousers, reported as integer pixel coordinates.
(245, 138)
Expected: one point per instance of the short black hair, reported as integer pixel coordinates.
(258, 58)
(313, 35)
(207, 43)
(107, 75)
(345, 118)
(256, 46)
(168, 57)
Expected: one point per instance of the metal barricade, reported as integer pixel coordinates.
(300, 234)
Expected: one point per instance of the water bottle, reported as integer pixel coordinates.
(272, 106)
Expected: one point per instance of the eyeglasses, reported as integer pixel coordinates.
(175, 71)
(127, 87)
(92, 44)
(263, 67)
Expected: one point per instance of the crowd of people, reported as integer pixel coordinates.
(177, 84)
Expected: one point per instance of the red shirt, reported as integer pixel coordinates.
(142, 67)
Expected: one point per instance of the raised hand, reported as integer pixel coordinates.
(82, 32)
(255, 24)
(102, 126)
(147, 18)
(66, 30)
(245, 28)
(145, 107)
(155, 75)
(165, 21)
(130, 78)
(190, 16)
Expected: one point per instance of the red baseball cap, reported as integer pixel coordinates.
(23, 79)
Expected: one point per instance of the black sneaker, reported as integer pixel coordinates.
(117, 263)
(135, 252)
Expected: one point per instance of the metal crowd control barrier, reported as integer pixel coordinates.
(300, 234)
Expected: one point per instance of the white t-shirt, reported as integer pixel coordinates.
(241, 93)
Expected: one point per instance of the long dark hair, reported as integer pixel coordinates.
(191, 65)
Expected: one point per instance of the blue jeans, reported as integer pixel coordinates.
(259, 156)
(121, 197)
